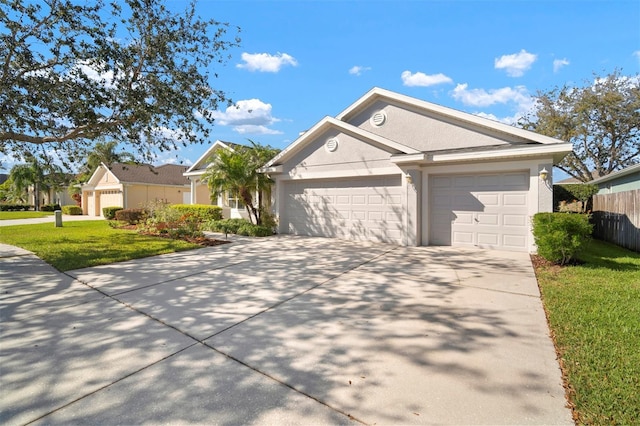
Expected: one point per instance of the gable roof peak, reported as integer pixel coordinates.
(377, 93)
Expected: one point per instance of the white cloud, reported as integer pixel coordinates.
(358, 70)
(265, 62)
(559, 63)
(483, 98)
(250, 116)
(423, 80)
(637, 54)
(515, 65)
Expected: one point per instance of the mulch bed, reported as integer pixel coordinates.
(202, 241)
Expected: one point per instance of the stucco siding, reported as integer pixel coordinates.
(350, 154)
(139, 195)
(623, 183)
(427, 132)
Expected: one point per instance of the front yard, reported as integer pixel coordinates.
(80, 244)
(594, 314)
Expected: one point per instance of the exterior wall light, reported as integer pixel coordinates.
(544, 174)
(408, 177)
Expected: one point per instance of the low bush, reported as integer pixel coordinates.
(15, 207)
(200, 212)
(228, 226)
(72, 210)
(50, 207)
(109, 213)
(561, 236)
(131, 216)
(239, 227)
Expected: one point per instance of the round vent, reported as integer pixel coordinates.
(331, 145)
(378, 118)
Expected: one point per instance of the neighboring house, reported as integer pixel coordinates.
(133, 186)
(232, 206)
(622, 180)
(392, 168)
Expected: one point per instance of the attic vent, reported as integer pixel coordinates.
(378, 118)
(331, 144)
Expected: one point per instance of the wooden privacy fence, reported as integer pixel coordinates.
(617, 218)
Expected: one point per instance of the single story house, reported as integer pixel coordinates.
(626, 179)
(232, 206)
(392, 168)
(133, 186)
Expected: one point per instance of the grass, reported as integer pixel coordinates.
(23, 215)
(594, 314)
(81, 244)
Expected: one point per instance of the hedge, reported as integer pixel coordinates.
(131, 216)
(240, 227)
(109, 213)
(202, 212)
(15, 207)
(561, 236)
(72, 210)
(50, 207)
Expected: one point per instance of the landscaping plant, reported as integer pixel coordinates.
(561, 236)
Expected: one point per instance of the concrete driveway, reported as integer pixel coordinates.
(283, 330)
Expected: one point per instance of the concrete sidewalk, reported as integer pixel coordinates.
(282, 330)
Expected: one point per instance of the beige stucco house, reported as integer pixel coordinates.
(133, 186)
(392, 168)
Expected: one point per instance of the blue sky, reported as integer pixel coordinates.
(302, 60)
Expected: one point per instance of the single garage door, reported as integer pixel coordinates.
(483, 210)
(110, 198)
(364, 209)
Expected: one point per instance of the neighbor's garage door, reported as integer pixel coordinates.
(110, 198)
(485, 210)
(364, 209)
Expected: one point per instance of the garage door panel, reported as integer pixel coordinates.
(359, 209)
(480, 210)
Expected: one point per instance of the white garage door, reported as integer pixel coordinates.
(364, 209)
(484, 210)
(110, 198)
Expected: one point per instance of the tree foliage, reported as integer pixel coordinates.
(235, 171)
(602, 120)
(133, 71)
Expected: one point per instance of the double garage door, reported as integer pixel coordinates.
(366, 209)
(482, 210)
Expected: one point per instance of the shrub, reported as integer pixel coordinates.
(131, 216)
(72, 210)
(15, 207)
(200, 212)
(249, 229)
(228, 226)
(239, 227)
(110, 212)
(561, 236)
(573, 196)
(50, 207)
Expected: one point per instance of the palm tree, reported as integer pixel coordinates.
(25, 175)
(235, 172)
(105, 153)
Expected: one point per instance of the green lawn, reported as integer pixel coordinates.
(594, 313)
(23, 215)
(87, 243)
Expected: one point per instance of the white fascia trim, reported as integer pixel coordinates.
(558, 151)
(617, 174)
(186, 185)
(204, 157)
(330, 122)
(377, 92)
(339, 174)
